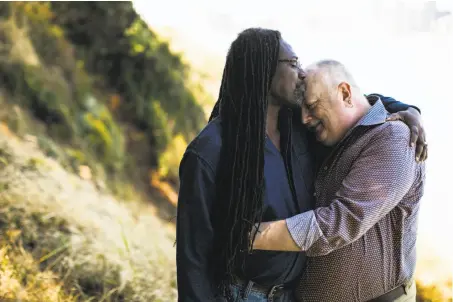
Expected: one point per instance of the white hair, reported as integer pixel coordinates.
(333, 73)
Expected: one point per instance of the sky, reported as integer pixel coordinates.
(387, 45)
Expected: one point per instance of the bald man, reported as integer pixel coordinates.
(361, 236)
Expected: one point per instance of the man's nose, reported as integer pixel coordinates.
(302, 74)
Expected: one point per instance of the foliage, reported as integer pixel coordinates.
(58, 58)
(170, 158)
(103, 134)
(115, 43)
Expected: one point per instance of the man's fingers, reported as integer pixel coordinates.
(424, 146)
(424, 155)
(414, 136)
(419, 151)
(394, 117)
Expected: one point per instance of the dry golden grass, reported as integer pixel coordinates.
(101, 249)
(22, 280)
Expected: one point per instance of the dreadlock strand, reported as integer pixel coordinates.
(250, 214)
(242, 108)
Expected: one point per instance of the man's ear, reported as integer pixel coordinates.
(345, 91)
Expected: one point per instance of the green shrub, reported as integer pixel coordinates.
(103, 135)
(117, 44)
(87, 51)
(50, 98)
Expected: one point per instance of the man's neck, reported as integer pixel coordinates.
(272, 124)
(363, 107)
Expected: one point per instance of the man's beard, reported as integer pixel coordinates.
(295, 102)
(299, 94)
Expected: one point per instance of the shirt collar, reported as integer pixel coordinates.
(376, 115)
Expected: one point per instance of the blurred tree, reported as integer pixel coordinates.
(117, 44)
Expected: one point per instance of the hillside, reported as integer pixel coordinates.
(105, 91)
(95, 112)
(63, 240)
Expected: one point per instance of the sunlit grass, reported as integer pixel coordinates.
(22, 280)
(68, 241)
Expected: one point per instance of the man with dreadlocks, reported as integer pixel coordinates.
(252, 153)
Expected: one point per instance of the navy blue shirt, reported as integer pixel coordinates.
(289, 176)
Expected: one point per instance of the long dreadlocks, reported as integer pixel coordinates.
(242, 106)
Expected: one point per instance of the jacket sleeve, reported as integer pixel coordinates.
(194, 231)
(393, 105)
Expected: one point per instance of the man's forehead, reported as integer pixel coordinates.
(286, 50)
(314, 81)
(313, 74)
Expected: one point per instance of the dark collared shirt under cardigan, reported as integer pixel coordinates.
(289, 177)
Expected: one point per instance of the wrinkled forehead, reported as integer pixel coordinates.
(315, 82)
